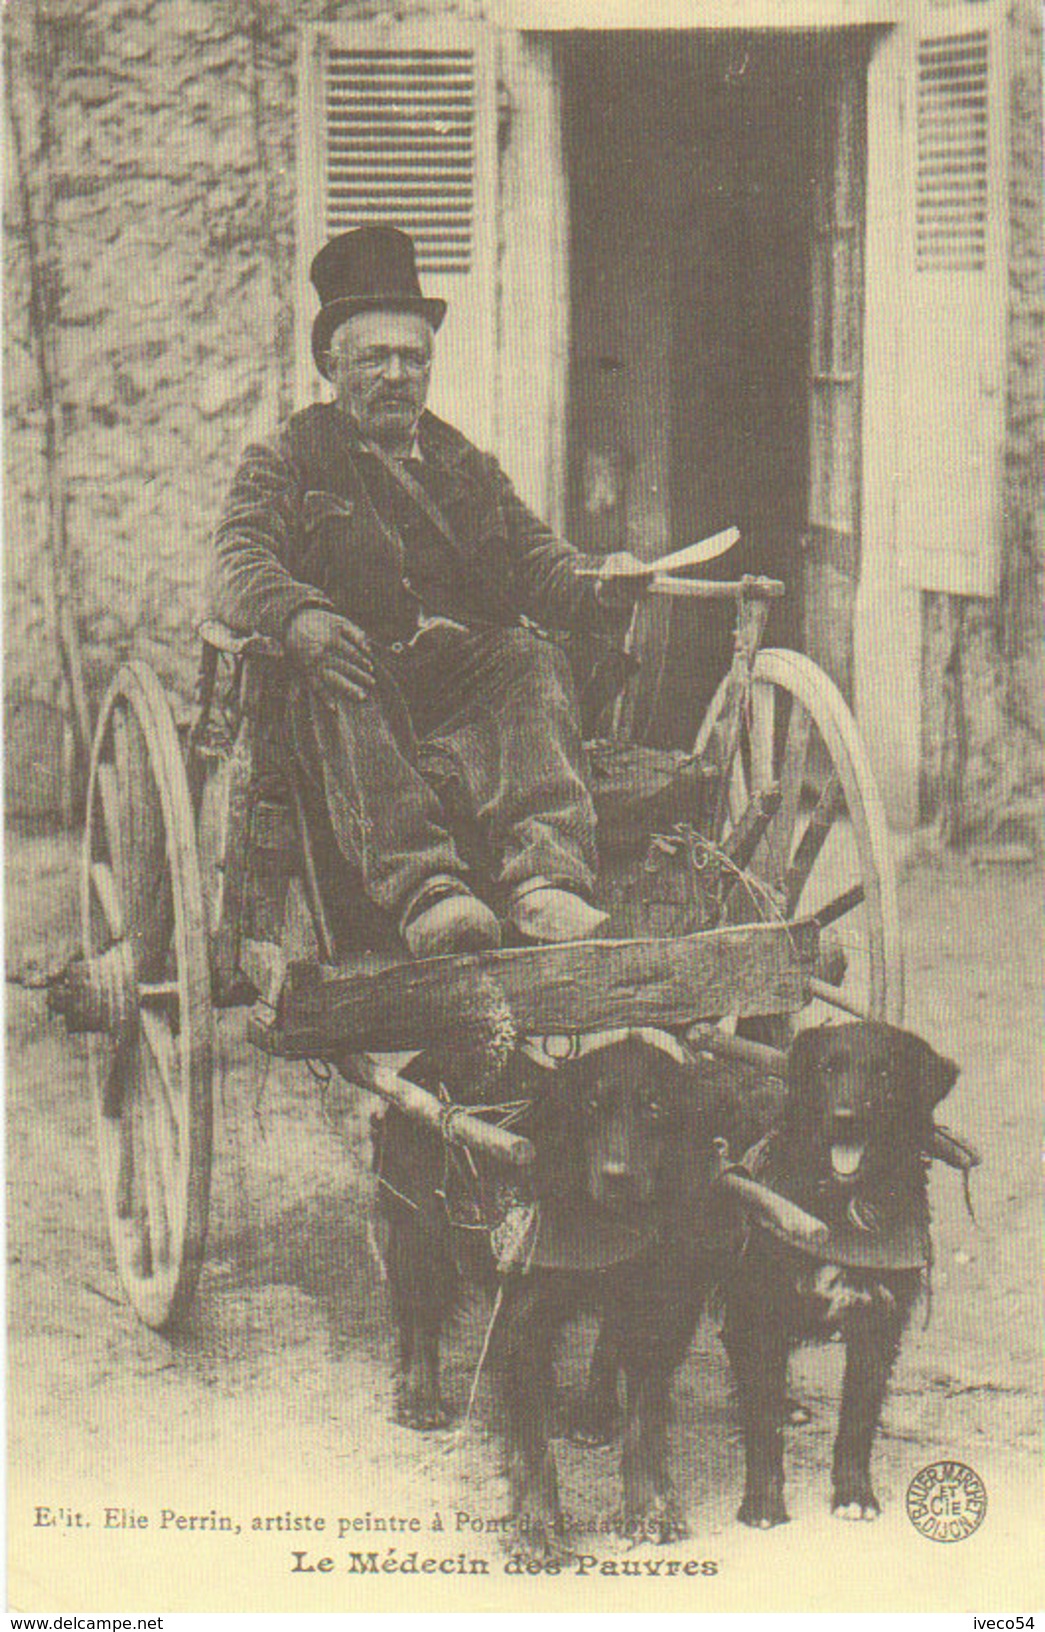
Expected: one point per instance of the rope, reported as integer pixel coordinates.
(760, 894)
(699, 853)
(320, 1072)
(447, 1116)
(386, 1184)
(510, 1112)
(259, 1095)
(483, 1352)
(498, 1303)
(375, 1252)
(446, 1120)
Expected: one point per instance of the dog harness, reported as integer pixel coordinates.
(870, 1226)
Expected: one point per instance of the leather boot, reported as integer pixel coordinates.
(541, 912)
(445, 918)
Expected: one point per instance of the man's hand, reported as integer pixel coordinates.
(622, 578)
(330, 652)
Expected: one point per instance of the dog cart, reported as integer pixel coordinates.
(748, 876)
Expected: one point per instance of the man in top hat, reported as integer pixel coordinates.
(411, 588)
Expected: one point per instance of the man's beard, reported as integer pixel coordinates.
(391, 417)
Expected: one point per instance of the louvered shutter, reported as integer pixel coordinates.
(398, 125)
(952, 362)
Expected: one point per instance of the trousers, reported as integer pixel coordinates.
(495, 710)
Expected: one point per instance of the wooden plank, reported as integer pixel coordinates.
(583, 986)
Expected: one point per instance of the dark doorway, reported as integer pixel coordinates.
(691, 163)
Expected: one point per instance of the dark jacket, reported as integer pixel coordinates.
(301, 527)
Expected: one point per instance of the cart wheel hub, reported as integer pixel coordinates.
(98, 993)
(832, 963)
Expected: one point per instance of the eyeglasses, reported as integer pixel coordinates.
(414, 363)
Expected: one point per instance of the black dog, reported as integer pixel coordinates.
(623, 1183)
(852, 1148)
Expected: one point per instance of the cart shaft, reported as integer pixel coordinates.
(456, 1124)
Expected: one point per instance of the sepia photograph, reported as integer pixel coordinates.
(524, 777)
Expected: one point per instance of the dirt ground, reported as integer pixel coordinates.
(273, 1401)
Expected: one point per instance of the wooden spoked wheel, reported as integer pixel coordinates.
(826, 853)
(144, 933)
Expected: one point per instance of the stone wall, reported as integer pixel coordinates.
(171, 174)
(1022, 599)
(166, 198)
(172, 224)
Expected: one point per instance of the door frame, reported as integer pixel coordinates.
(887, 615)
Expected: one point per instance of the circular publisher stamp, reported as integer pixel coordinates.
(946, 1501)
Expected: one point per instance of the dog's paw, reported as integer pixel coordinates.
(421, 1412)
(539, 1540)
(658, 1519)
(593, 1426)
(865, 1507)
(763, 1512)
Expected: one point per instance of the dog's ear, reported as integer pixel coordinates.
(929, 1075)
(804, 1061)
(804, 1055)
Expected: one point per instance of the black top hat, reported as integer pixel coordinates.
(367, 269)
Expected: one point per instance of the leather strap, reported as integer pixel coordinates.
(414, 491)
(865, 1230)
